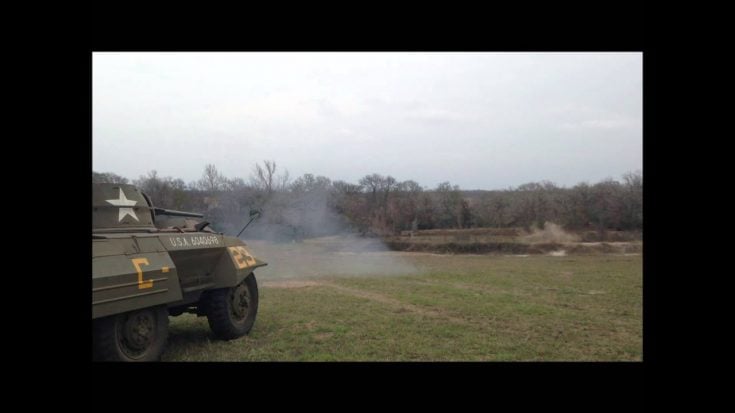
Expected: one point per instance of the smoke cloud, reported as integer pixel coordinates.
(303, 237)
(551, 232)
(335, 256)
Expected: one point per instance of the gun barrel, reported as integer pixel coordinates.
(171, 212)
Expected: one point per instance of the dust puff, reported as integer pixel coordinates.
(550, 232)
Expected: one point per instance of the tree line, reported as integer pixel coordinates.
(312, 205)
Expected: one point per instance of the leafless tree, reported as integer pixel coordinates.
(263, 177)
(282, 181)
(165, 192)
(381, 205)
(212, 180)
(108, 177)
(450, 205)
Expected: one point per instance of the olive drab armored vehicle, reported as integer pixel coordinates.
(150, 263)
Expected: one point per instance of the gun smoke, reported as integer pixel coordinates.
(306, 238)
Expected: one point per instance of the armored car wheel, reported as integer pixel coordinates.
(138, 335)
(231, 311)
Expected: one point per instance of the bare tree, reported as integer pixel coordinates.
(371, 183)
(404, 203)
(633, 199)
(282, 181)
(450, 205)
(263, 177)
(108, 177)
(379, 187)
(381, 205)
(165, 192)
(212, 180)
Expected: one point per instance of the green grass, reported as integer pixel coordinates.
(574, 308)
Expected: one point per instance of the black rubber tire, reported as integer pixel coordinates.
(221, 308)
(109, 339)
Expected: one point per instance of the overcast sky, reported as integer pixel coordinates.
(479, 120)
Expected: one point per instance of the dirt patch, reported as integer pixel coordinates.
(511, 232)
(604, 248)
(365, 294)
(550, 233)
(473, 247)
(472, 287)
(428, 254)
(516, 241)
(323, 336)
(291, 284)
(400, 306)
(610, 236)
(517, 248)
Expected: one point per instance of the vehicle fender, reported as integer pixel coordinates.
(236, 264)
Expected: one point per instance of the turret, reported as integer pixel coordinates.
(120, 207)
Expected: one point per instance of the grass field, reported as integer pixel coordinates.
(431, 307)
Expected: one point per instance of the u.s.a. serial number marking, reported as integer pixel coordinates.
(194, 241)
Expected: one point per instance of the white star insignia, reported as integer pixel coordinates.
(124, 202)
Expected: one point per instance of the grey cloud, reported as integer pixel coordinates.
(480, 120)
